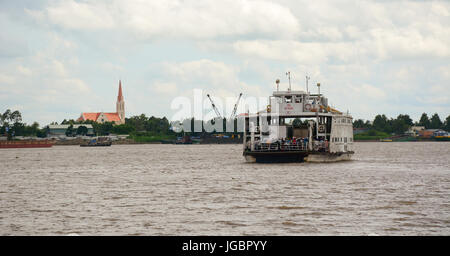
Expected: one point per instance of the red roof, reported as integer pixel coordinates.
(90, 116)
(112, 117)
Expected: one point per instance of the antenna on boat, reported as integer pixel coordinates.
(278, 83)
(307, 79)
(289, 77)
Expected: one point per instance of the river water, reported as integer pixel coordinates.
(388, 189)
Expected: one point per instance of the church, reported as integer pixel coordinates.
(117, 117)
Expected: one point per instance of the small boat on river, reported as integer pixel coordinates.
(99, 142)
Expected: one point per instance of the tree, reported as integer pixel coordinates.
(447, 124)
(424, 121)
(16, 117)
(82, 130)
(406, 119)
(123, 129)
(401, 124)
(359, 123)
(6, 116)
(104, 128)
(435, 122)
(69, 130)
(381, 123)
(41, 133)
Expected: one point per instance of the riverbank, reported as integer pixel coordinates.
(207, 140)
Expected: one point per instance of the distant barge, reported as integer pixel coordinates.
(100, 142)
(26, 144)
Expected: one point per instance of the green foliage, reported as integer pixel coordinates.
(82, 130)
(123, 129)
(151, 137)
(371, 135)
(69, 131)
(142, 123)
(435, 122)
(12, 121)
(447, 124)
(381, 123)
(359, 123)
(103, 129)
(424, 121)
(401, 124)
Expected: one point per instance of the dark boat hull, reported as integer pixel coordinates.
(295, 156)
(275, 157)
(97, 145)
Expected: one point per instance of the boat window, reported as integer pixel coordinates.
(288, 99)
(298, 99)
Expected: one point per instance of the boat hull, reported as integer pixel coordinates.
(275, 157)
(296, 156)
(20, 144)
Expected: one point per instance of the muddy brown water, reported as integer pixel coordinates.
(388, 189)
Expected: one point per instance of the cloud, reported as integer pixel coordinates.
(370, 56)
(80, 15)
(6, 79)
(164, 88)
(174, 19)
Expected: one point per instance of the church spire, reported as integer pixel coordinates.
(120, 96)
(120, 105)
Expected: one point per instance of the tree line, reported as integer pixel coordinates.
(139, 125)
(402, 123)
(11, 125)
(153, 127)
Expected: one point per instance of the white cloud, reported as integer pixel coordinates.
(192, 19)
(6, 79)
(24, 70)
(169, 88)
(80, 15)
(387, 56)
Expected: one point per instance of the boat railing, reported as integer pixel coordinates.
(299, 146)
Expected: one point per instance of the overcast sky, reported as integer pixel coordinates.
(61, 58)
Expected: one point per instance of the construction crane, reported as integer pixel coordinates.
(233, 114)
(214, 107)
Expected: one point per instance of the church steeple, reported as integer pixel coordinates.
(120, 96)
(120, 105)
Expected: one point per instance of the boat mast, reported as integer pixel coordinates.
(307, 79)
(289, 77)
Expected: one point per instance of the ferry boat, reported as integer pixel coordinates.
(298, 126)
